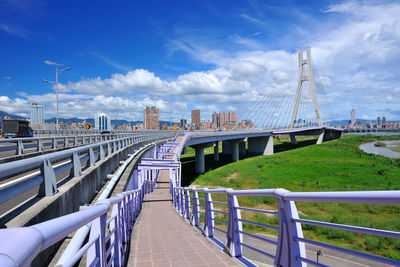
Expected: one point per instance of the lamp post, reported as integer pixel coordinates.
(56, 83)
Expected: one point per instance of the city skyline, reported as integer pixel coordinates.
(184, 64)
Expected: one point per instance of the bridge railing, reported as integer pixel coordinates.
(39, 144)
(71, 161)
(197, 205)
(108, 239)
(93, 131)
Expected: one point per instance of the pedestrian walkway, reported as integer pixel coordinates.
(161, 237)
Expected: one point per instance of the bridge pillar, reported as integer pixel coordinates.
(261, 145)
(321, 137)
(216, 151)
(199, 156)
(293, 139)
(242, 148)
(226, 148)
(235, 150)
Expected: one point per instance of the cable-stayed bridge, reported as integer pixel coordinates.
(289, 100)
(118, 200)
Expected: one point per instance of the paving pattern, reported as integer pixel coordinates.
(161, 237)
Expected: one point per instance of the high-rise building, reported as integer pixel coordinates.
(353, 118)
(232, 117)
(37, 115)
(215, 120)
(196, 118)
(183, 123)
(383, 121)
(223, 119)
(378, 122)
(102, 122)
(151, 118)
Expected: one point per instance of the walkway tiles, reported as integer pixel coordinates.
(162, 238)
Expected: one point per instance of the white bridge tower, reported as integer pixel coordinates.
(305, 76)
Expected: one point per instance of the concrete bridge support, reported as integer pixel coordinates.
(226, 148)
(242, 148)
(235, 150)
(261, 145)
(216, 151)
(199, 157)
(321, 137)
(293, 139)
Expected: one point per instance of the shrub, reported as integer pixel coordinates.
(380, 144)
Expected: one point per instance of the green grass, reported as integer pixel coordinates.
(332, 166)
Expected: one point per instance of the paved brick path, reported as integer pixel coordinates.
(162, 238)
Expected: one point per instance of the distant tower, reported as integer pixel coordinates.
(37, 115)
(353, 118)
(378, 122)
(151, 118)
(301, 78)
(102, 122)
(196, 118)
(383, 121)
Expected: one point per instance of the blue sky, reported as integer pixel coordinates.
(212, 55)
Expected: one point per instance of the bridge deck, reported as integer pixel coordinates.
(162, 238)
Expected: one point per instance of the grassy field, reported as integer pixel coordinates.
(333, 166)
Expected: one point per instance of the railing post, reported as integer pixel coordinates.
(109, 152)
(98, 231)
(187, 202)
(174, 190)
(40, 145)
(102, 155)
(288, 248)
(92, 159)
(208, 227)
(76, 165)
(122, 214)
(233, 235)
(54, 143)
(65, 141)
(20, 147)
(115, 224)
(75, 141)
(49, 186)
(182, 195)
(194, 219)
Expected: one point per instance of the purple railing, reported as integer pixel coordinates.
(107, 244)
(290, 247)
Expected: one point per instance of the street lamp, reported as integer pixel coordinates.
(56, 83)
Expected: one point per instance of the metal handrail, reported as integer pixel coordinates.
(286, 210)
(38, 142)
(47, 176)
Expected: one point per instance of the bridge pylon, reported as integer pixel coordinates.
(307, 76)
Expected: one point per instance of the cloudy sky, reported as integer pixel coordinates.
(211, 55)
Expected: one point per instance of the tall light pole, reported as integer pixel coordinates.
(56, 83)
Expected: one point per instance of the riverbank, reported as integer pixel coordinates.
(337, 165)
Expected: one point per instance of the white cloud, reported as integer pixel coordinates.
(48, 62)
(13, 30)
(356, 53)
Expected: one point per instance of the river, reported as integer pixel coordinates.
(383, 151)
